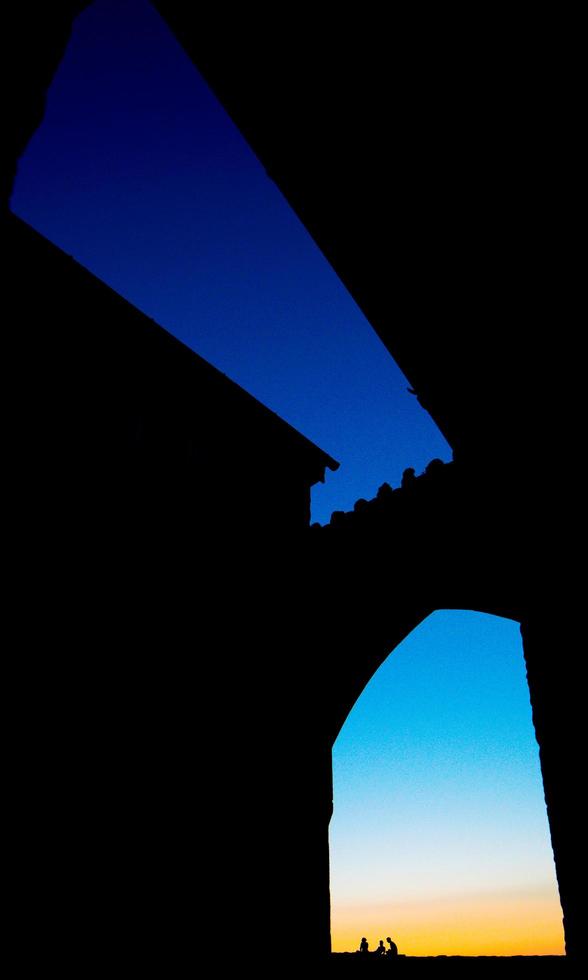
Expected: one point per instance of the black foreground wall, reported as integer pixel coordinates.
(163, 744)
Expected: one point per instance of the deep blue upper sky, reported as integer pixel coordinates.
(139, 173)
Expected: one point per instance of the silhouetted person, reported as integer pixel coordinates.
(364, 946)
(381, 950)
(393, 951)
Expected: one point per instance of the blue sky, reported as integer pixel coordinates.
(140, 175)
(438, 792)
(453, 753)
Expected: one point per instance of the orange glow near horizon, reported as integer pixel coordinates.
(520, 924)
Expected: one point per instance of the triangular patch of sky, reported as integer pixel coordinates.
(139, 173)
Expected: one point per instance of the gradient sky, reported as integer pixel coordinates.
(440, 835)
(140, 175)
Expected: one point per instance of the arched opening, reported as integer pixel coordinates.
(439, 836)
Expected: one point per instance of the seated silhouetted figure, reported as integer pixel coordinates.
(393, 951)
(381, 950)
(364, 946)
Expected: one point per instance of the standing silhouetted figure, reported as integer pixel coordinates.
(364, 946)
(393, 951)
(381, 950)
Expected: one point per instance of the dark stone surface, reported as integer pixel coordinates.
(348, 964)
(184, 650)
(155, 523)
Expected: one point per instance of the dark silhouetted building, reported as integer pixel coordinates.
(182, 648)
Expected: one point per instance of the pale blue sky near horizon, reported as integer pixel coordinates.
(437, 782)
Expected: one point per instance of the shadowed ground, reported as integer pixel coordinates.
(350, 964)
